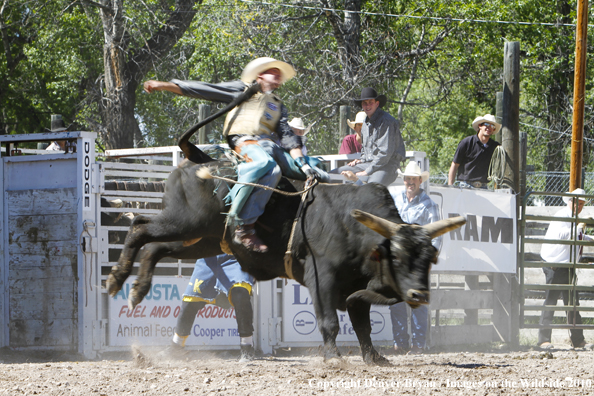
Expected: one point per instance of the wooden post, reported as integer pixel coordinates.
(343, 127)
(579, 83)
(511, 144)
(523, 155)
(510, 118)
(471, 282)
(498, 113)
(203, 113)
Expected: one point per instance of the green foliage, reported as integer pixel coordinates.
(449, 54)
(54, 63)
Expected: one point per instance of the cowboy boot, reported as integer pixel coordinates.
(246, 235)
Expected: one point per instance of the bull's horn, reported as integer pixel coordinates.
(442, 226)
(371, 297)
(382, 226)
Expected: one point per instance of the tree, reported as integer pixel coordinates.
(126, 61)
(131, 38)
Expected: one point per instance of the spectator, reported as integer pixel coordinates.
(473, 155)
(351, 144)
(552, 253)
(212, 276)
(300, 130)
(58, 125)
(415, 207)
(383, 147)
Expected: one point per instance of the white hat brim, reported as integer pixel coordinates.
(480, 120)
(567, 200)
(424, 175)
(257, 66)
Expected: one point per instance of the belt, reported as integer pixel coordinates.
(476, 184)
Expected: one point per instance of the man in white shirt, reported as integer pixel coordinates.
(552, 253)
(415, 207)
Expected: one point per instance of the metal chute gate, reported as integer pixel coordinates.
(533, 226)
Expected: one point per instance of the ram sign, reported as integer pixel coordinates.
(487, 242)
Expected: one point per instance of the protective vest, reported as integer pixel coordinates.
(257, 116)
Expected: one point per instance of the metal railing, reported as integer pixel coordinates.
(530, 290)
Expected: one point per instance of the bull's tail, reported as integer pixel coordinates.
(189, 149)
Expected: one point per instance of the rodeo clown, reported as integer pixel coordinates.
(256, 130)
(214, 281)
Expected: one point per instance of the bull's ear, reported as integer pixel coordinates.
(435, 257)
(379, 253)
(381, 226)
(442, 226)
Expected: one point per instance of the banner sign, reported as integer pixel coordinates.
(300, 324)
(488, 240)
(153, 321)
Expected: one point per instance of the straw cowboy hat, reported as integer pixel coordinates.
(260, 65)
(486, 118)
(413, 169)
(370, 93)
(577, 191)
(297, 123)
(359, 119)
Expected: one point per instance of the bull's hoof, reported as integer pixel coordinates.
(335, 361)
(137, 294)
(375, 359)
(112, 285)
(133, 300)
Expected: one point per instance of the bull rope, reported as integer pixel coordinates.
(289, 254)
(204, 173)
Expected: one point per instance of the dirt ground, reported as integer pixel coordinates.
(489, 372)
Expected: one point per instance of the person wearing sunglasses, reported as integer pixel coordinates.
(473, 155)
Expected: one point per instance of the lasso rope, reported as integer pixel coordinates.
(497, 166)
(204, 173)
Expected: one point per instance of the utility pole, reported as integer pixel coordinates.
(579, 84)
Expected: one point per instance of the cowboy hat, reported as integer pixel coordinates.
(256, 67)
(359, 119)
(486, 118)
(413, 169)
(370, 93)
(577, 191)
(297, 123)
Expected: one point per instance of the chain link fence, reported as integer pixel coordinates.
(540, 181)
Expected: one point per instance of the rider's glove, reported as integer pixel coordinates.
(310, 172)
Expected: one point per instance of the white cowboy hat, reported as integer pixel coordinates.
(486, 118)
(259, 65)
(297, 123)
(413, 169)
(359, 119)
(577, 191)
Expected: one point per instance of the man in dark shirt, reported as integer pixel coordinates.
(383, 147)
(473, 155)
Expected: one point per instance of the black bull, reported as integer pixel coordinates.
(350, 248)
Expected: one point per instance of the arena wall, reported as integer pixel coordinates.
(61, 235)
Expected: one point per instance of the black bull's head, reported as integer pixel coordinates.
(404, 264)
